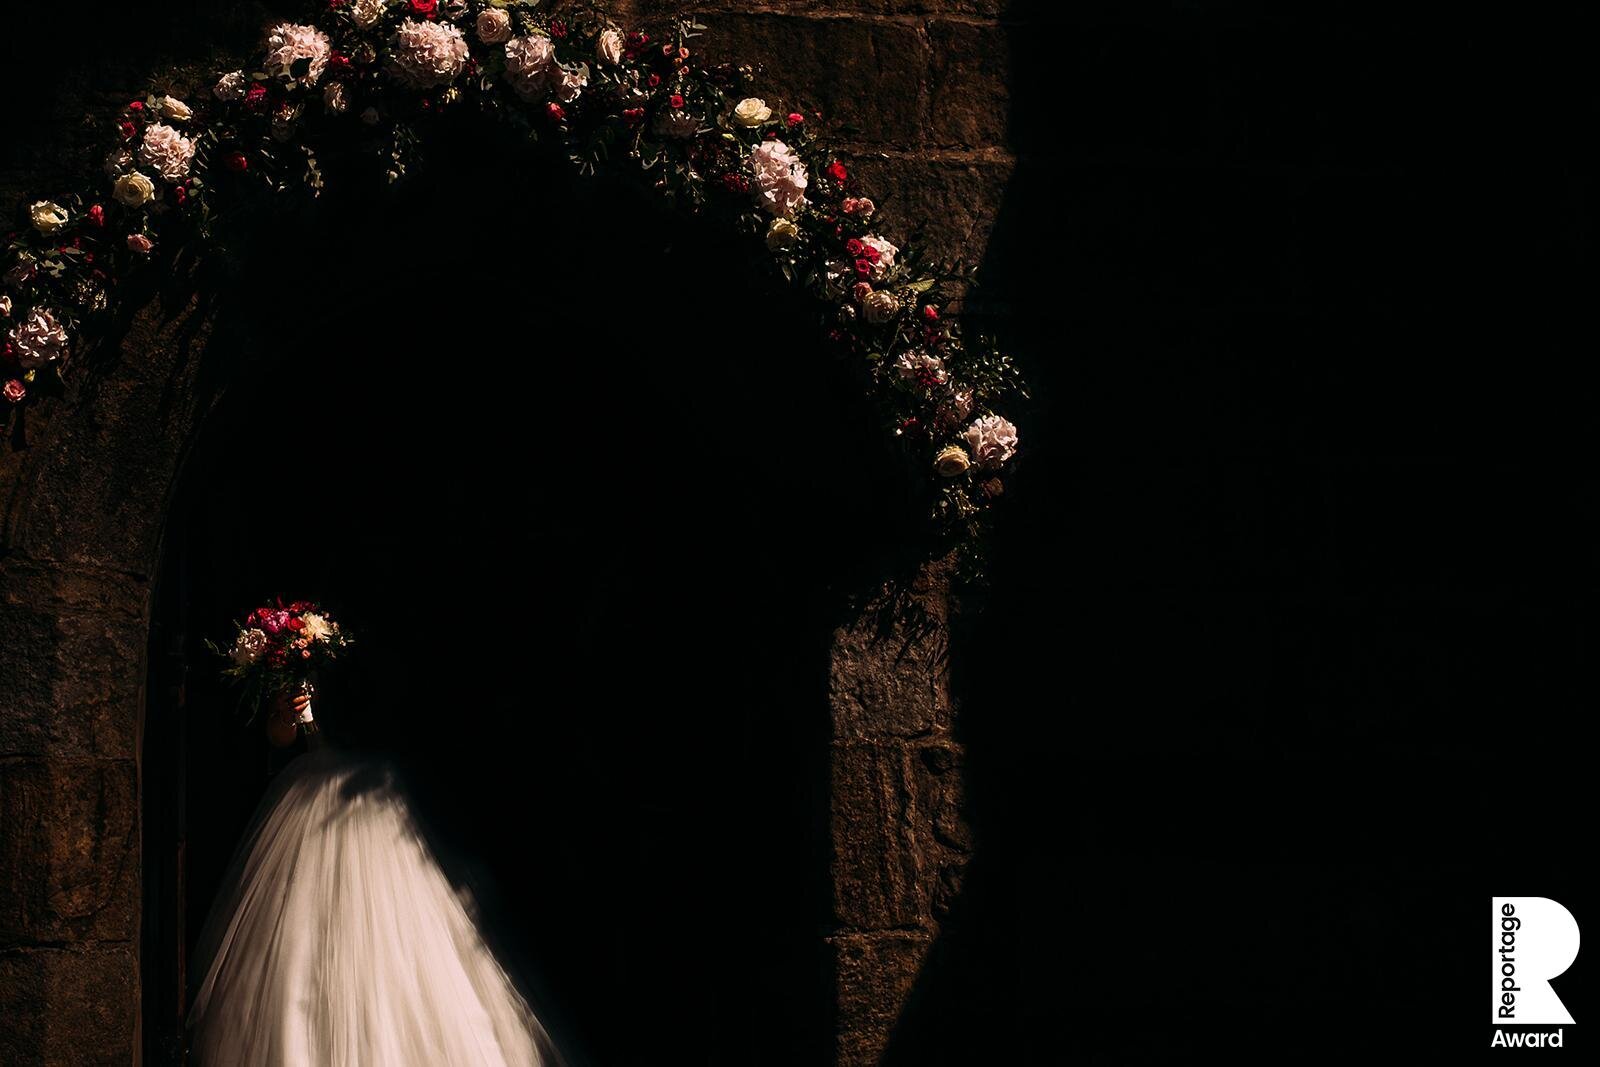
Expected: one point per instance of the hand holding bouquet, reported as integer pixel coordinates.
(279, 650)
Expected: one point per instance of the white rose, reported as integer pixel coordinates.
(133, 190)
(315, 627)
(751, 111)
(173, 108)
(608, 49)
(248, 647)
(494, 26)
(47, 216)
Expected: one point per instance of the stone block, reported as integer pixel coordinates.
(953, 198)
(868, 80)
(969, 95)
(879, 877)
(69, 856)
(76, 1006)
(73, 665)
(873, 976)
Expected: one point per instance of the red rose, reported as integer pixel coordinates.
(853, 248)
(236, 162)
(97, 215)
(425, 8)
(128, 129)
(556, 112)
(930, 313)
(136, 105)
(864, 267)
(15, 391)
(294, 623)
(676, 100)
(795, 118)
(837, 172)
(633, 115)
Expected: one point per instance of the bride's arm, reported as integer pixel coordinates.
(283, 717)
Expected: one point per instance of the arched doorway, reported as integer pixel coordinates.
(595, 599)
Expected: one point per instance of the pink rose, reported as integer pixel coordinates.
(138, 242)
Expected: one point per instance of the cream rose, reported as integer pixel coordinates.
(608, 49)
(47, 216)
(783, 233)
(751, 111)
(173, 108)
(493, 26)
(133, 190)
(881, 306)
(951, 461)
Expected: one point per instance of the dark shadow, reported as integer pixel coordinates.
(590, 492)
(1288, 557)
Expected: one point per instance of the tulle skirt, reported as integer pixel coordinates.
(337, 941)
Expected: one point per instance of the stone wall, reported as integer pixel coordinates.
(920, 88)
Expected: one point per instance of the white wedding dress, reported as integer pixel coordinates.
(337, 941)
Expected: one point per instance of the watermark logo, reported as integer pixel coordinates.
(1535, 940)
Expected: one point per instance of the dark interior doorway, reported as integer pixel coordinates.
(590, 527)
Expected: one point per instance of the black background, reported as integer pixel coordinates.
(1287, 654)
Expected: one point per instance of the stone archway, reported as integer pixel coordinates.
(82, 508)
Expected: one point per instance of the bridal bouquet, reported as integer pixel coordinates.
(281, 648)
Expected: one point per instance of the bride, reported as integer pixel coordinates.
(336, 938)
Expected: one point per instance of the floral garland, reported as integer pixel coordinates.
(373, 69)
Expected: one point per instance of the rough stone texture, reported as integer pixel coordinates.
(899, 833)
(874, 973)
(878, 873)
(72, 641)
(91, 488)
(843, 69)
(69, 860)
(77, 1005)
(952, 197)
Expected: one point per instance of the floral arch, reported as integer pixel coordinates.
(374, 71)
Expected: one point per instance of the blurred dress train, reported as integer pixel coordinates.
(337, 941)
